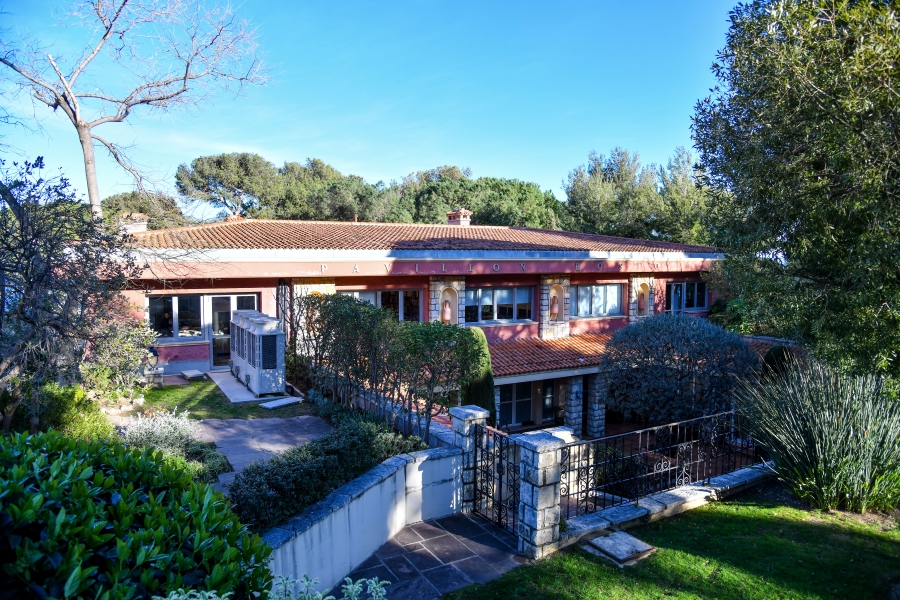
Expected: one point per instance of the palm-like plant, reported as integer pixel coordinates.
(833, 438)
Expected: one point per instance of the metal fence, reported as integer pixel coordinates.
(619, 469)
(496, 478)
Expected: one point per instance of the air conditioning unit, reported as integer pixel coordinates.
(261, 343)
(239, 324)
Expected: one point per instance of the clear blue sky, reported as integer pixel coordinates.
(381, 89)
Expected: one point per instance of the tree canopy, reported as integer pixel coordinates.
(800, 142)
(163, 210)
(613, 196)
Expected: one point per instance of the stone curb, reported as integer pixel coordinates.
(661, 505)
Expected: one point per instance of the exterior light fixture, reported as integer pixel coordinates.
(554, 307)
(153, 359)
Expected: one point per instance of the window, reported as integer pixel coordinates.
(498, 304)
(176, 316)
(685, 296)
(403, 303)
(515, 404)
(547, 410)
(598, 300)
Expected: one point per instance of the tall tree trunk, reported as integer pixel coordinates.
(35, 408)
(90, 169)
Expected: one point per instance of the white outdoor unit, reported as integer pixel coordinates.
(239, 325)
(265, 356)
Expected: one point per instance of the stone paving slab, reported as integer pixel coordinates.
(431, 558)
(244, 442)
(620, 547)
(232, 388)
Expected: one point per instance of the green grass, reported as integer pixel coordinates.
(204, 400)
(761, 544)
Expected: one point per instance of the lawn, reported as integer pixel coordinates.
(760, 544)
(204, 400)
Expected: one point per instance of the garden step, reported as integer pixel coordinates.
(620, 547)
(281, 402)
(193, 375)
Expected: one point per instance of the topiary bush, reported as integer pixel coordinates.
(98, 520)
(265, 494)
(479, 388)
(833, 438)
(670, 368)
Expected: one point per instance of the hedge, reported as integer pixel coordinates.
(98, 520)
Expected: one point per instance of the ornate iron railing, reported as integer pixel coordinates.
(624, 468)
(496, 478)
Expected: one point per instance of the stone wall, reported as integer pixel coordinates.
(596, 411)
(634, 287)
(435, 286)
(553, 329)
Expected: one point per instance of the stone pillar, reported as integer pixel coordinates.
(538, 493)
(574, 404)
(435, 286)
(464, 419)
(496, 406)
(553, 329)
(634, 288)
(596, 414)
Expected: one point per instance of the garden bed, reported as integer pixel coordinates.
(763, 543)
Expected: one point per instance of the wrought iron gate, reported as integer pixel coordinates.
(496, 478)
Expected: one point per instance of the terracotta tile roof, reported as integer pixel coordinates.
(517, 357)
(760, 345)
(332, 235)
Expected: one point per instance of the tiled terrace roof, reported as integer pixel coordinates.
(517, 357)
(331, 235)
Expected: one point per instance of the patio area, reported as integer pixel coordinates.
(428, 559)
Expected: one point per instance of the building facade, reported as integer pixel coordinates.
(547, 300)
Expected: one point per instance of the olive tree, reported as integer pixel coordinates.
(800, 144)
(670, 368)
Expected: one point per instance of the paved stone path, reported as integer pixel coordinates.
(435, 557)
(244, 442)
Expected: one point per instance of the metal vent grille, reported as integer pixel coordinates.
(269, 352)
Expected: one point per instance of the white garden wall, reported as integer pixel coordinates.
(331, 538)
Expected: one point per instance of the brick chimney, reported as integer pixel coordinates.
(133, 222)
(460, 216)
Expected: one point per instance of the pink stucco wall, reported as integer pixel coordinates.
(173, 354)
(581, 326)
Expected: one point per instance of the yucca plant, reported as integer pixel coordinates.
(833, 437)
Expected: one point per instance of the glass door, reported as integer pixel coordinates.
(220, 308)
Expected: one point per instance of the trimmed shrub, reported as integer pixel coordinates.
(68, 410)
(265, 494)
(670, 368)
(833, 437)
(479, 389)
(170, 432)
(98, 520)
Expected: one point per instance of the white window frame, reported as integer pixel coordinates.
(175, 326)
(356, 293)
(493, 290)
(577, 295)
(670, 292)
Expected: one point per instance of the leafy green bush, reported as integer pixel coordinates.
(265, 494)
(833, 437)
(670, 367)
(98, 520)
(68, 410)
(113, 364)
